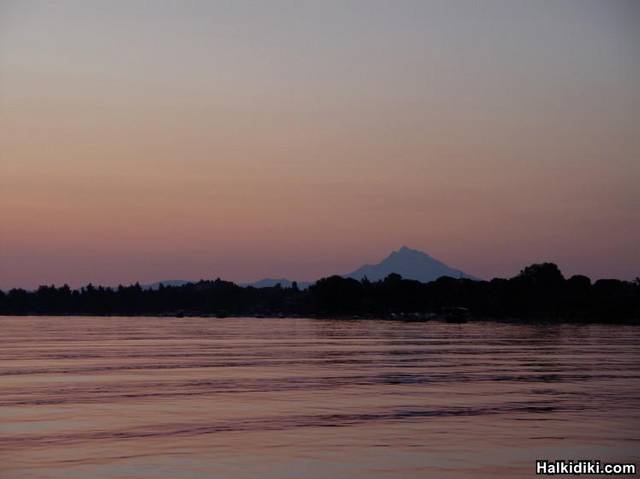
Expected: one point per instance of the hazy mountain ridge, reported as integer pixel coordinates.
(408, 263)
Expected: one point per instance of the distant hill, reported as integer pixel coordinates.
(410, 264)
(270, 282)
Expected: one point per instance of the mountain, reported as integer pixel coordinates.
(270, 282)
(410, 264)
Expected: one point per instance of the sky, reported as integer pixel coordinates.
(151, 140)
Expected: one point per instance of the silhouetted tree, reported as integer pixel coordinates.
(540, 291)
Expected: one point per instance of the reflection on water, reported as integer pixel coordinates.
(164, 398)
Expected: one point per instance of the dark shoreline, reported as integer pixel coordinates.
(539, 293)
(355, 317)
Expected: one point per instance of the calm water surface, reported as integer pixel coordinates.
(164, 398)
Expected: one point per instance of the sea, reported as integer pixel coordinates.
(285, 398)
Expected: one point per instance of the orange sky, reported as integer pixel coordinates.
(241, 140)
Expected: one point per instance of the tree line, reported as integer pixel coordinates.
(540, 291)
